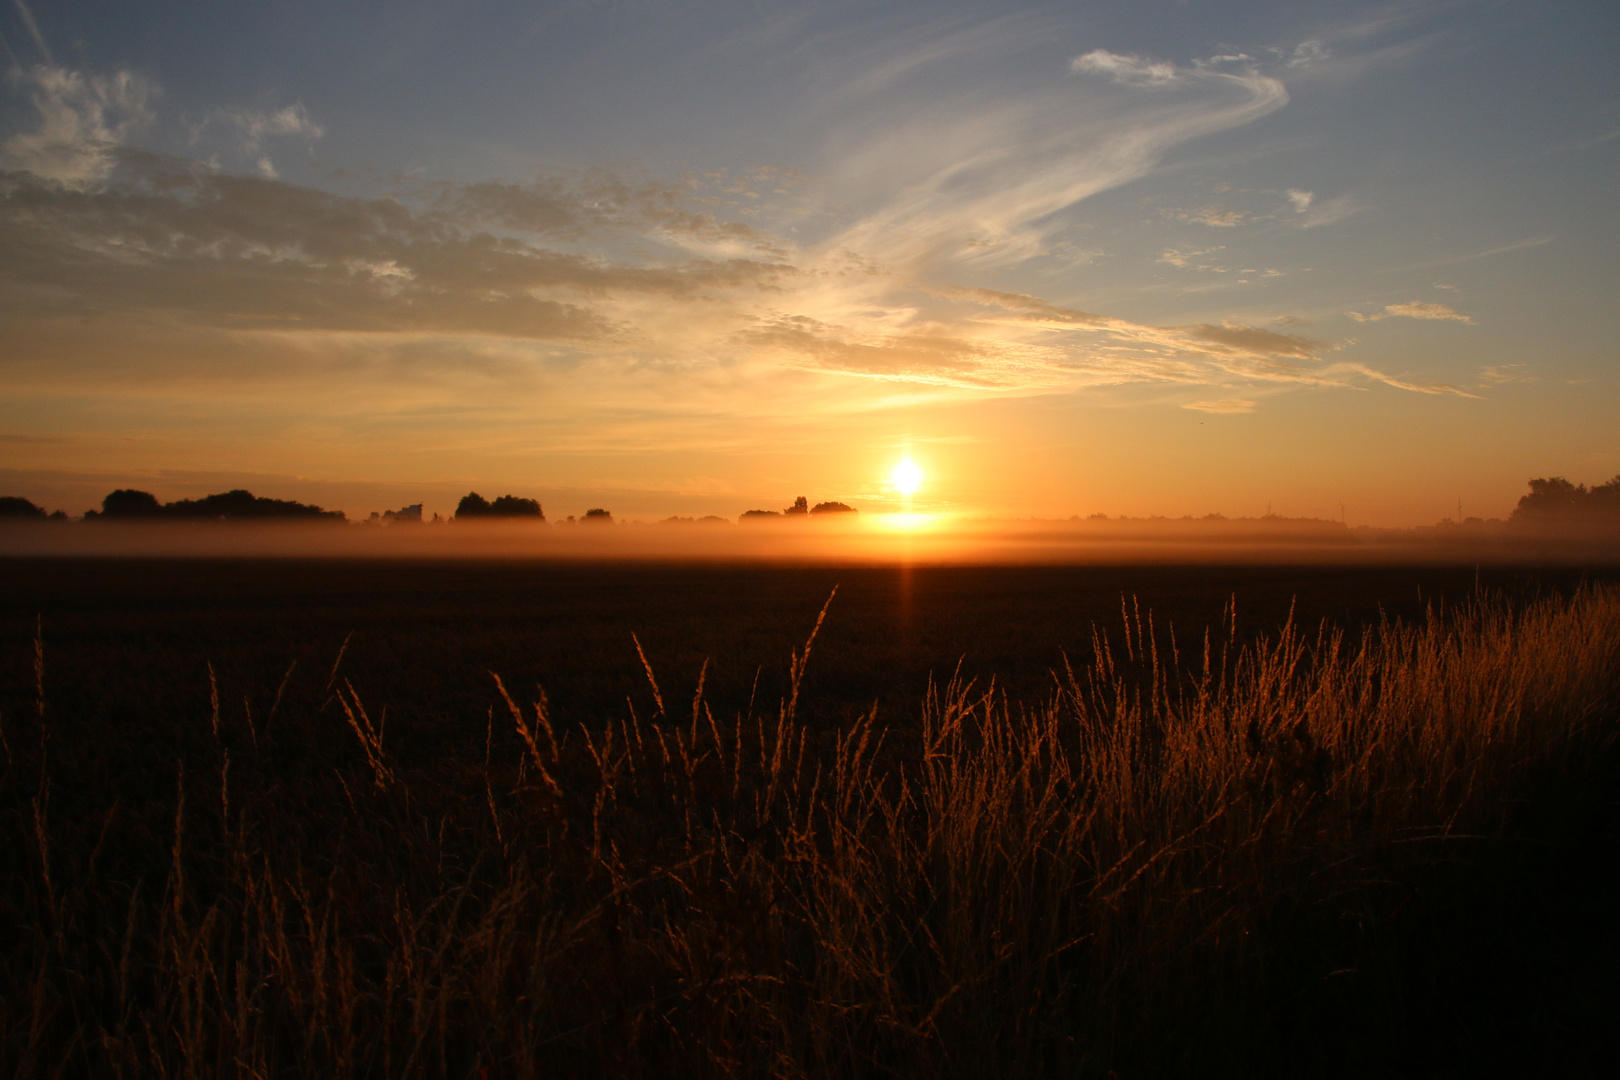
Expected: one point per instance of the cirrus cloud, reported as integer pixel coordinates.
(1416, 309)
(627, 293)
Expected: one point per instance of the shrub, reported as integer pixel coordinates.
(14, 506)
(474, 505)
(129, 503)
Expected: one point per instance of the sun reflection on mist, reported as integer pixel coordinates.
(907, 521)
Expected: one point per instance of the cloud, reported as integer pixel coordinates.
(247, 135)
(27, 16)
(1503, 374)
(81, 120)
(594, 272)
(1212, 216)
(1308, 53)
(1126, 70)
(1178, 258)
(1229, 406)
(230, 250)
(919, 356)
(1485, 253)
(964, 181)
(1598, 140)
(1188, 258)
(254, 126)
(1009, 342)
(1324, 212)
(602, 201)
(1414, 385)
(1310, 212)
(1416, 309)
(604, 293)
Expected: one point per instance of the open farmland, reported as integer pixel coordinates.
(280, 819)
(422, 635)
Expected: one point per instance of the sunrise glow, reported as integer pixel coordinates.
(1096, 259)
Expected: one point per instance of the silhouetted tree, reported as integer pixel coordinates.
(240, 505)
(1605, 498)
(474, 505)
(832, 508)
(598, 515)
(513, 506)
(1552, 497)
(1555, 499)
(801, 505)
(129, 503)
(758, 515)
(15, 507)
(405, 515)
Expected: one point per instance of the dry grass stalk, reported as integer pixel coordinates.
(1014, 889)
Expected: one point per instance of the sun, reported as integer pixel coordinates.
(906, 478)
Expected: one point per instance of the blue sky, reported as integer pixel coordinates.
(1130, 258)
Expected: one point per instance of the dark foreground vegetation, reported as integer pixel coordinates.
(1248, 845)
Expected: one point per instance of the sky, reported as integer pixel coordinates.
(1317, 259)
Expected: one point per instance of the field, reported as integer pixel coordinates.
(484, 818)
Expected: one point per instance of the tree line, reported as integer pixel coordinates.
(801, 507)
(1550, 500)
(129, 504)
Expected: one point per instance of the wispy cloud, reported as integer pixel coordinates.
(1416, 309)
(248, 134)
(1191, 258)
(966, 182)
(622, 293)
(1127, 70)
(1505, 374)
(1598, 140)
(1417, 386)
(1222, 406)
(26, 13)
(81, 120)
(1213, 216)
(1486, 253)
(1316, 213)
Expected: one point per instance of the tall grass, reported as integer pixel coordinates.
(1148, 872)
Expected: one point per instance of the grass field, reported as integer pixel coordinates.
(452, 819)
